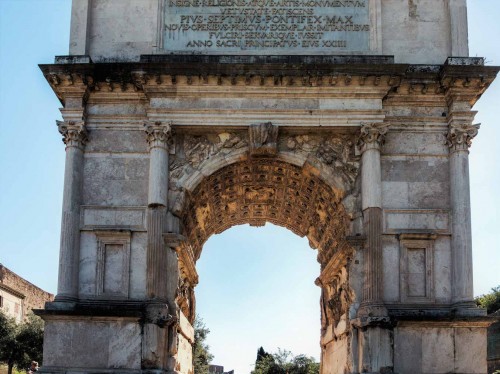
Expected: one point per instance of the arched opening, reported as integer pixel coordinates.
(260, 190)
(257, 289)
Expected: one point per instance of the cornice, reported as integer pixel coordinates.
(165, 75)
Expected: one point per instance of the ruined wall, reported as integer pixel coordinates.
(33, 297)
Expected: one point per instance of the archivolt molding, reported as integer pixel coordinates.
(330, 156)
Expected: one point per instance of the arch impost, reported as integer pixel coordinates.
(185, 255)
(336, 262)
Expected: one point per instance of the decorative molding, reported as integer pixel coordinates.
(94, 217)
(416, 221)
(316, 73)
(158, 134)
(459, 136)
(372, 135)
(74, 133)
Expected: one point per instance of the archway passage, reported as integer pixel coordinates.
(266, 189)
(262, 190)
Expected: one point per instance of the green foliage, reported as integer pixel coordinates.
(261, 355)
(490, 301)
(20, 344)
(284, 362)
(201, 352)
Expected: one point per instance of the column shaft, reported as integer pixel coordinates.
(158, 176)
(461, 226)
(371, 179)
(459, 138)
(372, 137)
(74, 136)
(158, 137)
(156, 255)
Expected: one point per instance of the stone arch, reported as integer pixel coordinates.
(256, 191)
(307, 183)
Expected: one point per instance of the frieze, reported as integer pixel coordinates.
(335, 152)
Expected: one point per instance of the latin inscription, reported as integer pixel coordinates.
(267, 26)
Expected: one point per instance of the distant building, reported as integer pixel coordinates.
(217, 369)
(18, 296)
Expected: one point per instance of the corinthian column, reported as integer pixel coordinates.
(371, 138)
(459, 139)
(75, 137)
(159, 136)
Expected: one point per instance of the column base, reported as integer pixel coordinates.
(467, 309)
(372, 310)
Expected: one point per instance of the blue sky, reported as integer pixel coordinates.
(246, 265)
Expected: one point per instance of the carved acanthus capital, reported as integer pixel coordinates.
(372, 135)
(459, 136)
(74, 133)
(158, 134)
(263, 139)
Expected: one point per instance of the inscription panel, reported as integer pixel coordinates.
(268, 26)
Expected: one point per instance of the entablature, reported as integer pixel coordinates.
(288, 76)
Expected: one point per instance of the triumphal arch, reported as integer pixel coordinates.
(347, 122)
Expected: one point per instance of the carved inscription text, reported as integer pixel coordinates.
(267, 26)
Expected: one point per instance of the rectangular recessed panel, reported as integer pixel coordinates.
(416, 272)
(114, 257)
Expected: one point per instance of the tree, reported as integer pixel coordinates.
(284, 362)
(261, 354)
(20, 344)
(201, 353)
(490, 301)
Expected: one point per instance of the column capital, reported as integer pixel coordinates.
(372, 135)
(459, 136)
(158, 134)
(74, 133)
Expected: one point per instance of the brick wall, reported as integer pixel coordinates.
(34, 297)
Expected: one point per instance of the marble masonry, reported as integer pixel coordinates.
(347, 122)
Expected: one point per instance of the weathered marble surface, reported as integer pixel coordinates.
(414, 31)
(355, 157)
